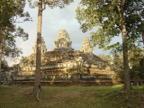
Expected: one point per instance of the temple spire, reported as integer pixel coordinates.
(62, 40)
(86, 46)
(43, 47)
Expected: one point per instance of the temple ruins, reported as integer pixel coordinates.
(66, 63)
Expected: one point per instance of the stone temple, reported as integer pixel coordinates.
(63, 62)
(62, 40)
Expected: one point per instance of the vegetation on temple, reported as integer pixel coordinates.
(110, 18)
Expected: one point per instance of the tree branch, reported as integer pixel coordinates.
(44, 4)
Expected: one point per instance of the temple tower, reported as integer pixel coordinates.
(62, 40)
(86, 46)
(43, 47)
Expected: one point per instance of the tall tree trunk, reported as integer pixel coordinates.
(143, 33)
(0, 60)
(0, 55)
(127, 85)
(1, 39)
(37, 84)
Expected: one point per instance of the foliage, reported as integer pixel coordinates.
(136, 58)
(110, 18)
(11, 11)
(50, 3)
(136, 54)
(102, 18)
(118, 63)
(4, 64)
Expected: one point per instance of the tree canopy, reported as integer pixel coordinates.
(10, 12)
(110, 18)
(102, 17)
(50, 3)
(136, 63)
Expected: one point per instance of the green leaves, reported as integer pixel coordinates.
(50, 3)
(98, 14)
(10, 12)
(20, 33)
(102, 18)
(58, 3)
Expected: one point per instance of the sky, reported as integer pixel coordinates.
(54, 20)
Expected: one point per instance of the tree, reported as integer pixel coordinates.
(4, 64)
(143, 33)
(41, 6)
(136, 56)
(118, 65)
(10, 12)
(109, 18)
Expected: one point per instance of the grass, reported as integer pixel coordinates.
(71, 97)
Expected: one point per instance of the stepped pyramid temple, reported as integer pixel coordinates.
(65, 63)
